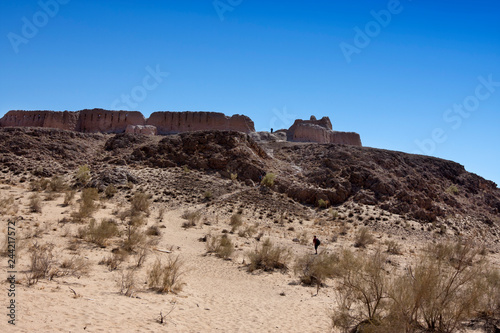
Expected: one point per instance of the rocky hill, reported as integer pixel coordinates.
(420, 188)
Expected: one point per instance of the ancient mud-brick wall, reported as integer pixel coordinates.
(320, 131)
(62, 119)
(177, 122)
(105, 121)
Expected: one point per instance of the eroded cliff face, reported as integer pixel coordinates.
(178, 122)
(320, 131)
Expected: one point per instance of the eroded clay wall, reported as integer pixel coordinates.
(66, 120)
(176, 122)
(105, 121)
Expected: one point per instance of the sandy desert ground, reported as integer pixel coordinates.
(218, 295)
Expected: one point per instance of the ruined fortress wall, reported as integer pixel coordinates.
(65, 120)
(105, 121)
(320, 131)
(346, 138)
(177, 122)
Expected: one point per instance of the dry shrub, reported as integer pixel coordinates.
(363, 238)
(35, 204)
(7, 206)
(269, 257)
(127, 283)
(161, 212)
(441, 291)
(393, 248)
(87, 205)
(361, 291)
(315, 269)
(140, 204)
(39, 185)
(68, 197)
(56, 184)
(75, 266)
(114, 261)
(110, 191)
(221, 246)
(235, 222)
(167, 278)
(153, 230)
(41, 262)
(248, 231)
(82, 175)
(135, 238)
(192, 218)
(99, 233)
(491, 296)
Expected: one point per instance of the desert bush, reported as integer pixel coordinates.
(68, 197)
(393, 247)
(453, 189)
(167, 278)
(221, 246)
(75, 266)
(8, 206)
(361, 291)
(35, 203)
(135, 238)
(269, 257)
(87, 205)
(82, 175)
(140, 203)
(161, 212)
(208, 195)
(192, 218)
(110, 191)
(128, 283)
(248, 231)
(323, 203)
(234, 176)
(315, 269)
(114, 261)
(490, 307)
(41, 262)
(235, 222)
(268, 179)
(440, 291)
(153, 230)
(38, 185)
(363, 238)
(99, 233)
(56, 184)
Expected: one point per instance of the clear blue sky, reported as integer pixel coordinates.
(393, 79)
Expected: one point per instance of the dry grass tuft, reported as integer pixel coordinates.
(269, 257)
(99, 233)
(192, 218)
(315, 269)
(167, 278)
(363, 238)
(221, 246)
(35, 203)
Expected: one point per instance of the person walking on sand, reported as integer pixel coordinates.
(316, 243)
